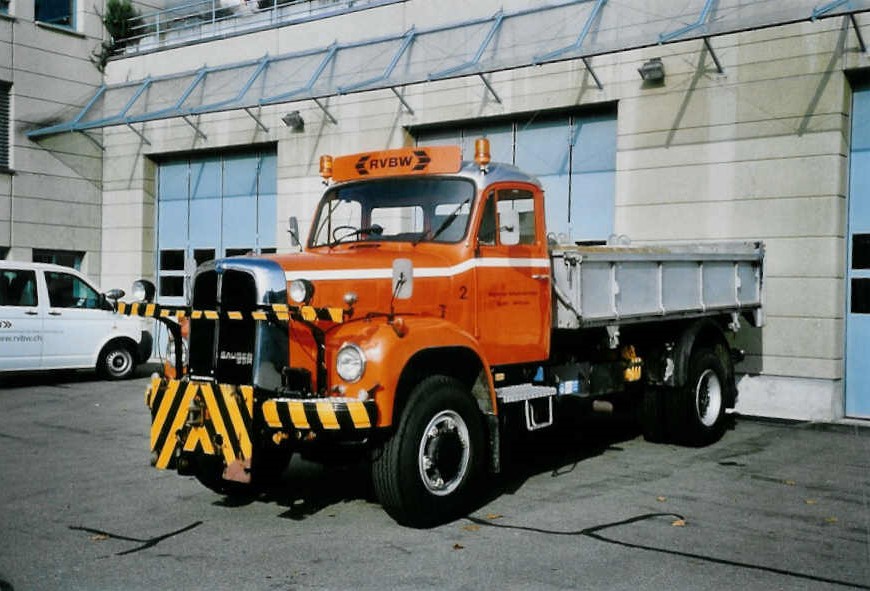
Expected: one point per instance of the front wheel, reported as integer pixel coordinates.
(116, 361)
(426, 473)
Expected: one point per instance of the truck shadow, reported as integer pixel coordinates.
(559, 450)
(312, 485)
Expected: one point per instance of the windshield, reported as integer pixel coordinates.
(397, 210)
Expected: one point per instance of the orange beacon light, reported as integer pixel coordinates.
(481, 152)
(326, 167)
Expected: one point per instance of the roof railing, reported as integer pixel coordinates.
(201, 20)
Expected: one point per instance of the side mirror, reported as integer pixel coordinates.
(509, 227)
(109, 300)
(293, 230)
(403, 279)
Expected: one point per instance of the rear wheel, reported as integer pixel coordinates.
(701, 402)
(425, 474)
(652, 414)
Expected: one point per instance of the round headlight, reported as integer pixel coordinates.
(350, 363)
(143, 290)
(301, 291)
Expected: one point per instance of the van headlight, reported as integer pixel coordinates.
(350, 363)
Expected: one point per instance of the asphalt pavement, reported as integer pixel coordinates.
(591, 506)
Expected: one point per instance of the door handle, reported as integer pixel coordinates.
(541, 277)
(55, 313)
(31, 312)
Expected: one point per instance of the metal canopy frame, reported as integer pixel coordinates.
(821, 11)
(478, 47)
(701, 23)
(594, 15)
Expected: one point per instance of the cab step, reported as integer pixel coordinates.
(537, 402)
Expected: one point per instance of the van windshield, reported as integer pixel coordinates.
(395, 210)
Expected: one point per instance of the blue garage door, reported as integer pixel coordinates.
(858, 274)
(210, 207)
(574, 157)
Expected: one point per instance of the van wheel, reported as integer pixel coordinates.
(116, 362)
(426, 473)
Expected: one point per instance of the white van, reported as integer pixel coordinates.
(52, 317)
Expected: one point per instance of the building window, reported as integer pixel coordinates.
(59, 257)
(4, 125)
(56, 12)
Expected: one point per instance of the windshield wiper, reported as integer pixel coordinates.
(445, 224)
(374, 230)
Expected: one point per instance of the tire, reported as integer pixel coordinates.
(116, 362)
(427, 472)
(702, 401)
(652, 415)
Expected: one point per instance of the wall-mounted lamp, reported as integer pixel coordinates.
(652, 70)
(294, 121)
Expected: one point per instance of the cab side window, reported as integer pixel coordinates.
(522, 202)
(508, 199)
(17, 288)
(68, 291)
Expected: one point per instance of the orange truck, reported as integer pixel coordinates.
(428, 318)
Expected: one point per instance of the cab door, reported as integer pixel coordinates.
(21, 320)
(513, 280)
(76, 323)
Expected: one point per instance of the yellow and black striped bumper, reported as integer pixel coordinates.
(213, 419)
(320, 414)
(218, 419)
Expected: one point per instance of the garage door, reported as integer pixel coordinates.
(858, 272)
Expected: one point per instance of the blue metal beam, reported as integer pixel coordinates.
(68, 125)
(854, 20)
(581, 39)
(330, 54)
(408, 39)
(174, 109)
(496, 25)
(702, 20)
(261, 67)
(826, 8)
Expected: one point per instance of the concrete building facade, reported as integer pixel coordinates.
(50, 194)
(753, 133)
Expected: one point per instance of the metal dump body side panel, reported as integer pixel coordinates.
(607, 285)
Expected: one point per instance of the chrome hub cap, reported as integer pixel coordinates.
(708, 398)
(444, 452)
